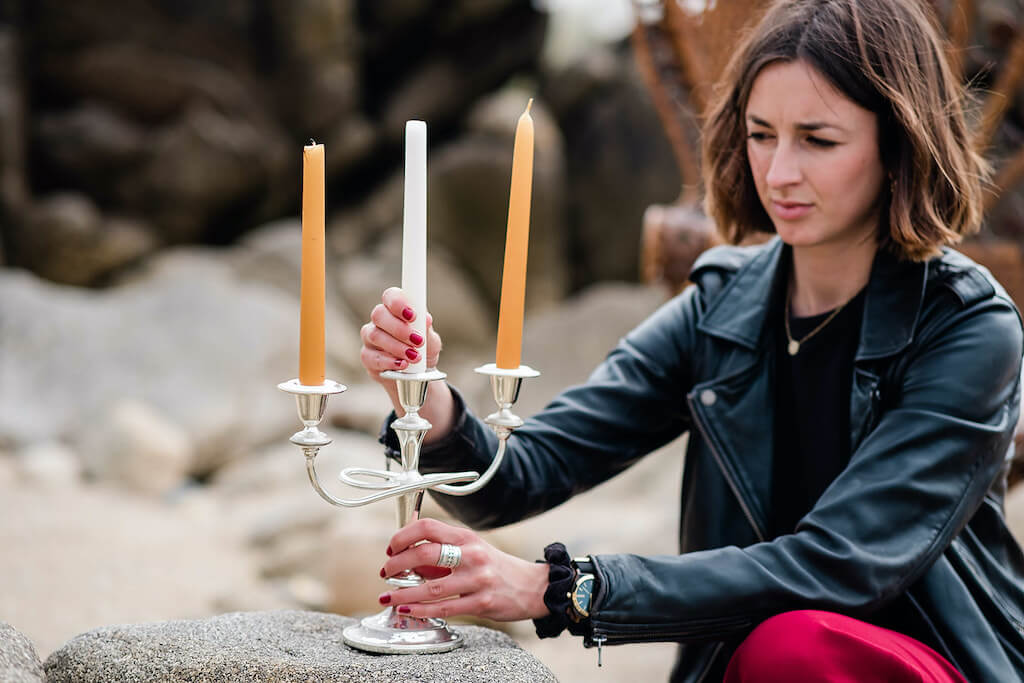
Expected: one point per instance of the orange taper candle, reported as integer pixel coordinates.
(311, 312)
(513, 279)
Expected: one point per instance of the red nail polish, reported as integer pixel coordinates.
(382, 574)
(415, 338)
(408, 313)
(404, 609)
(390, 551)
(399, 363)
(385, 598)
(411, 354)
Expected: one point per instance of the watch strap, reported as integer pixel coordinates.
(585, 565)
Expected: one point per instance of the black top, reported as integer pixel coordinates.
(812, 410)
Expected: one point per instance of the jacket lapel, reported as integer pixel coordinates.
(892, 306)
(736, 406)
(738, 314)
(739, 411)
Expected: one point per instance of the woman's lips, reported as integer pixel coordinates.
(789, 211)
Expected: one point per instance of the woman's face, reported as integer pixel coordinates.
(814, 156)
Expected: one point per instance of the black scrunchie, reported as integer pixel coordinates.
(556, 598)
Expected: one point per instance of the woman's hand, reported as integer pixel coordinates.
(486, 583)
(389, 341)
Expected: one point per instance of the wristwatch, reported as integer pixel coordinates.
(582, 592)
(569, 595)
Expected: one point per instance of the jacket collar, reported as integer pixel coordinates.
(892, 304)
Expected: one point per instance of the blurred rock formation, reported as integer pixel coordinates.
(129, 127)
(19, 662)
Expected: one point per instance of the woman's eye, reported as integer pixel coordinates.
(820, 142)
(758, 136)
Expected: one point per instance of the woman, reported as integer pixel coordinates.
(850, 390)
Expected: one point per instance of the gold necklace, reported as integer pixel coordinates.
(794, 344)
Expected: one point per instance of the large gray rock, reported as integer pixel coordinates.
(8, 469)
(593, 320)
(77, 558)
(461, 315)
(19, 662)
(49, 464)
(67, 239)
(470, 54)
(467, 219)
(13, 181)
(316, 41)
(469, 198)
(279, 646)
(209, 147)
(135, 447)
(204, 166)
(202, 348)
(619, 162)
(193, 114)
(93, 137)
(295, 536)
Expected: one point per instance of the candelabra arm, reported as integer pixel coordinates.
(505, 385)
(484, 479)
(413, 482)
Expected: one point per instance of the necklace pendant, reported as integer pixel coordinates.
(793, 347)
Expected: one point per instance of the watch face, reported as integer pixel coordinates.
(582, 594)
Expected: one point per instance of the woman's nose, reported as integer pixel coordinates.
(784, 169)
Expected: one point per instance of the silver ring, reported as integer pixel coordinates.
(451, 556)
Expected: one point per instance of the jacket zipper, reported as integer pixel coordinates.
(604, 636)
(698, 419)
(599, 639)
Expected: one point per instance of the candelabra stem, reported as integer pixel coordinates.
(410, 430)
(390, 632)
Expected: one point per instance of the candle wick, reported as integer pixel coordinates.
(312, 142)
(528, 105)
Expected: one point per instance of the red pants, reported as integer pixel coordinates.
(809, 645)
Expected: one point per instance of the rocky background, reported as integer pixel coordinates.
(149, 242)
(149, 191)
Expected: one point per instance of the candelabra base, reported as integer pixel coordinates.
(392, 633)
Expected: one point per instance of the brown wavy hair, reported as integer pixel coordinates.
(888, 56)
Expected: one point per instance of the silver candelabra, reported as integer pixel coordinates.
(390, 632)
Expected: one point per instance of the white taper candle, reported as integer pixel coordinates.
(414, 232)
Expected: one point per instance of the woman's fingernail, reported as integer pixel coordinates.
(399, 363)
(408, 313)
(384, 598)
(382, 574)
(412, 354)
(404, 609)
(390, 551)
(415, 338)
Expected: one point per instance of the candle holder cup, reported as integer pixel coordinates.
(389, 632)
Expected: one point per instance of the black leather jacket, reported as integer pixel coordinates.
(910, 536)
